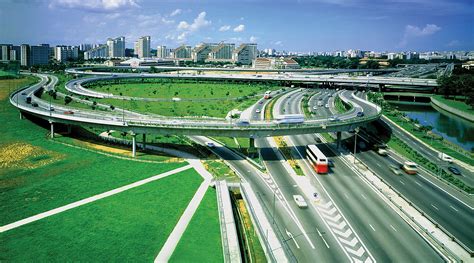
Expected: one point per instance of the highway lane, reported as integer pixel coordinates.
(443, 207)
(453, 215)
(384, 233)
(326, 247)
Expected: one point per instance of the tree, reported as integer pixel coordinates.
(67, 100)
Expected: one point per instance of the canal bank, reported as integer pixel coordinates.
(439, 105)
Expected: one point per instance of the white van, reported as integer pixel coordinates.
(445, 157)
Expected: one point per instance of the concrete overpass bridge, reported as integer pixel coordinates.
(154, 124)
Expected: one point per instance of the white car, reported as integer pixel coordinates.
(300, 202)
(210, 144)
(382, 152)
(257, 111)
(327, 106)
(445, 157)
(315, 107)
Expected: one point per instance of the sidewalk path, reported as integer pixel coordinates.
(90, 199)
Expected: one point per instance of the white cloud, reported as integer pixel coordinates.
(453, 43)
(239, 28)
(277, 43)
(198, 23)
(416, 32)
(182, 37)
(167, 21)
(224, 28)
(176, 12)
(94, 5)
(253, 39)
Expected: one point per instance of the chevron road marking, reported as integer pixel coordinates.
(345, 234)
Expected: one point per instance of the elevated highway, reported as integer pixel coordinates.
(143, 124)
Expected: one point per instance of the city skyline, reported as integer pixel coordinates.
(335, 24)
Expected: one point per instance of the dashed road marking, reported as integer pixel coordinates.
(418, 184)
(434, 207)
(372, 227)
(393, 228)
(402, 182)
(453, 208)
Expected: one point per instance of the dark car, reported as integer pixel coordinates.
(454, 170)
(360, 114)
(23, 93)
(330, 163)
(69, 112)
(34, 104)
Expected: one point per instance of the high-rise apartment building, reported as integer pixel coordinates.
(201, 52)
(182, 52)
(222, 52)
(25, 55)
(245, 54)
(97, 52)
(5, 52)
(65, 53)
(15, 53)
(142, 47)
(162, 52)
(116, 47)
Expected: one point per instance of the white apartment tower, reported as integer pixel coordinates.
(142, 47)
(116, 47)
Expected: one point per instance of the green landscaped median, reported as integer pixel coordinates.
(210, 99)
(201, 242)
(130, 226)
(37, 174)
(457, 104)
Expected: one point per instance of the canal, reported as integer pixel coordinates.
(452, 128)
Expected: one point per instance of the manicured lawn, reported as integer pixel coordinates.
(457, 104)
(220, 98)
(37, 174)
(130, 226)
(201, 242)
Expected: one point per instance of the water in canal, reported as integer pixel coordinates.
(451, 127)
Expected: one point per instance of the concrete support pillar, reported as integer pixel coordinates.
(21, 116)
(69, 129)
(252, 143)
(134, 144)
(338, 135)
(144, 141)
(52, 129)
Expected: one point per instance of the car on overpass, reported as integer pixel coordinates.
(300, 202)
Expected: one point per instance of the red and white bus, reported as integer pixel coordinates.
(317, 159)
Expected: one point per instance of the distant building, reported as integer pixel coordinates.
(15, 52)
(262, 63)
(39, 55)
(183, 52)
(142, 47)
(5, 52)
(275, 63)
(129, 52)
(162, 52)
(25, 55)
(85, 47)
(222, 52)
(98, 52)
(65, 53)
(116, 47)
(201, 52)
(245, 54)
(137, 62)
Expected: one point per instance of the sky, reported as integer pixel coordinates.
(300, 25)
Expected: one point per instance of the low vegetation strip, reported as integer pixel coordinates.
(201, 242)
(286, 151)
(341, 106)
(130, 226)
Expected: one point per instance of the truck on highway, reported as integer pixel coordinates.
(28, 100)
(320, 103)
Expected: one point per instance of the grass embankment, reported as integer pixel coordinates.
(456, 102)
(305, 105)
(38, 174)
(400, 147)
(130, 226)
(341, 106)
(435, 141)
(209, 99)
(201, 242)
(287, 153)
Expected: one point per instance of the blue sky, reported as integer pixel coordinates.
(304, 25)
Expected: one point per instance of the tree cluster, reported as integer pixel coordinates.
(460, 83)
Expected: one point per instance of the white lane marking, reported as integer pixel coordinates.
(372, 227)
(393, 228)
(346, 196)
(290, 235)
(470, 207)
(319, 233)
(402, 182)
(453, 208)
(418, 184)
(363, 196)
(434, 207)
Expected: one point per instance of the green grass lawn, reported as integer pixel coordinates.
(130, 226)
(223, 97)
(201, 242)
(457, 104)
(37, 174)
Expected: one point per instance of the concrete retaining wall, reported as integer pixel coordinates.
(459, 113)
